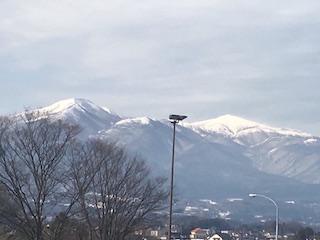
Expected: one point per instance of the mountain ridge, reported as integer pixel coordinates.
(235, 150)
(90, 117)
(227, 120)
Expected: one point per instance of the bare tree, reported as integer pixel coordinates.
(32, 149)
(116, 193)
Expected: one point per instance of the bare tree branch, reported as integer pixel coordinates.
(33, 147)
(116, 192)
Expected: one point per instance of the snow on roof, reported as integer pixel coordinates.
(197, 230)
(215, 236)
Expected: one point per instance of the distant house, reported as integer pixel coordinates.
(215, 237)
(199, 234)
(156, 233)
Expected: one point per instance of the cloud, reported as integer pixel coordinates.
(204, 58)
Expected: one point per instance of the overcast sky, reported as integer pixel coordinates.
(256, 59)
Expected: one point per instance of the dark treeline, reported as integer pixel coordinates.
(53, 186)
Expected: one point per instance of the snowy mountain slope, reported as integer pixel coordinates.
(279, 151)
(90, 117)
(202, 168)
(240, 129)
(225, 156)
(294, 157)
(151, 139)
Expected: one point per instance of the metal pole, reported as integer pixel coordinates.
(171, 183)
(277, 210)
(277, 221)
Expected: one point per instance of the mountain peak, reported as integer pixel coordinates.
(235, 121)
(69, 103)
(233, 125)
(228, 123)
(89, 116)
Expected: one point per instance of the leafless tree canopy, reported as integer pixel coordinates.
(32, 148)
(116, 192)
(109, 193)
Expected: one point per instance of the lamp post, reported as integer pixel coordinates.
(174, 119)
(253, 195)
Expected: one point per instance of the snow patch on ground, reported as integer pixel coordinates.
(208, 201)
(234, 199)
(224, 214)
(310, 141)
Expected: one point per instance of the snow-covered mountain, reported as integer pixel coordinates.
(279, 151)
(89, 116)
(224, 156)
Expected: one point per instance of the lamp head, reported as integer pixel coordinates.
(252, 195)
(175, 117)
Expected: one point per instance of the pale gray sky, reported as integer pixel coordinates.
(255, 59)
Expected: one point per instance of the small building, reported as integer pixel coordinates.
(199, 234)
(215, 237)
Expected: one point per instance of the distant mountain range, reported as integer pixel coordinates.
(221, 157)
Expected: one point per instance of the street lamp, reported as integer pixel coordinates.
(174, 119)
(253, 195)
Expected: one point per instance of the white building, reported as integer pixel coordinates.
(215, 237)
(199, 234)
